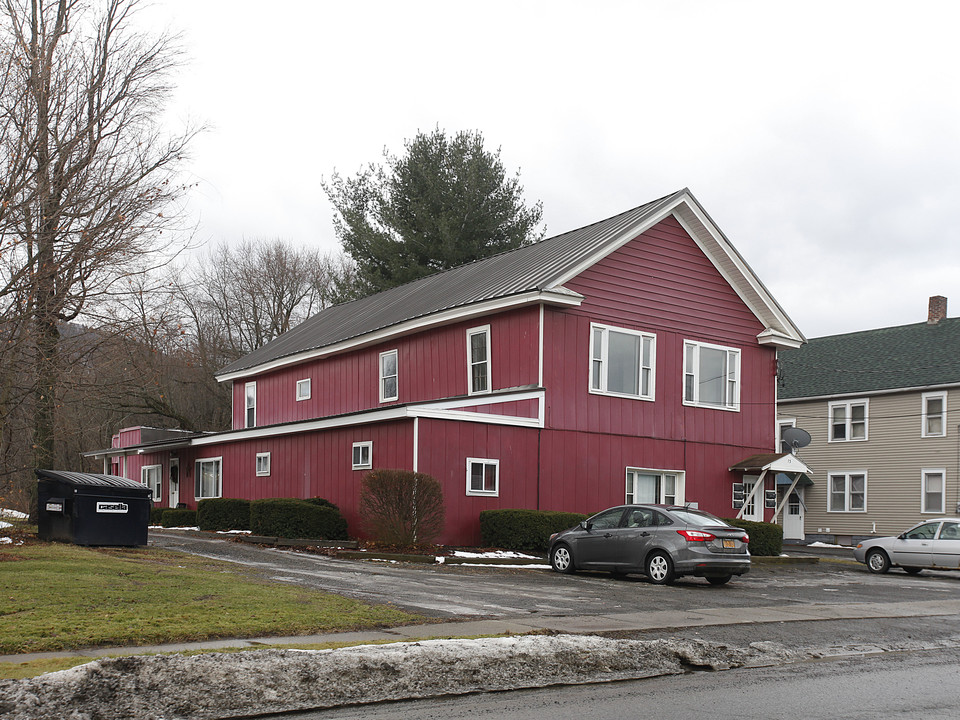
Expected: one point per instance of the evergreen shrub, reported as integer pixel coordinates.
(178, 517)
(223, 514)
(524, 529)
(294, 518)
(766, 539)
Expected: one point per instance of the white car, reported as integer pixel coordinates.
(933, 545)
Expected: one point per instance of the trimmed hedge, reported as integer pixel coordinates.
(156, 514)
(178, 517)
(524, 529)
(292, 518)
(223, 514)
(766, 539)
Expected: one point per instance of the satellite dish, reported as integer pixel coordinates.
(794, 438)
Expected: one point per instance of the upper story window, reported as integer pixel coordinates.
(389, 389)
(711, 376)
(250, 405)
(934, 414)
(622, 362)
(848, 420)
(363, 455)
(478, 360)
(150, 475)
(303, 389)
(783, 424)
(263, 464)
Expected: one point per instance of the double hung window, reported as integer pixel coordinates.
(711, 376)
(933, 499)
(934, 414)
(651, 486)
(389, 389)
(622, 362)
(478, 359)
(848, 421)
(847, 492)
(150, 476)
(250, 405)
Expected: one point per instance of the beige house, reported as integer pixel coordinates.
(882, 408)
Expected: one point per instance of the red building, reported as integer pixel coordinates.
(630, 360)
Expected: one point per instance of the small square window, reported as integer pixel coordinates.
(303, 389)
(263, 464)
(483, 477)
(363, 455)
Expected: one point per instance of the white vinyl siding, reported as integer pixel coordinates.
(622, 362)
(711, 376)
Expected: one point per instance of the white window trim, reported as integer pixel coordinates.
(247, 406)
(396, 363)
(846, 500)
(303, 389)
(263, 472)
(733, 406)
(943, 414)
(484, 493)
(679, 488)
(942, 472)
(156, 490)
(196, 478)
(781, 424)
(489, 361)
(849, 420)
(368, 445)
(604, 362)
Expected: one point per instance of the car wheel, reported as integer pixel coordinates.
(660, 568)
(913, 570)
(561, 559)
(718, 579)
(877, 561)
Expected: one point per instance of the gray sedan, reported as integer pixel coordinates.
(662, 541)
(933, 544)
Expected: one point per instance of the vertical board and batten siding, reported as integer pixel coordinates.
(893, 456)
(444, 447)
(658, 283)
(431, 365)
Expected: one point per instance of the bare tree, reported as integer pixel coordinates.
(89, 181)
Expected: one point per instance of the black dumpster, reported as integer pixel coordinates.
(91, 509)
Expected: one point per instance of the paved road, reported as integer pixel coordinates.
(914, 685)
(447, 591)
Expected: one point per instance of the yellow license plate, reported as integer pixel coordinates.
(729, 543)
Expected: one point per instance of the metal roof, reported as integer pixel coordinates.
(90, 479)
(537, 268)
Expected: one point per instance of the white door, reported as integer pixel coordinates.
(174, 482)
(793, 516)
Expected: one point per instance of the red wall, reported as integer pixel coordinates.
(431, 365)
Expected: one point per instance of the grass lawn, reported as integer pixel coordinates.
(59, 597)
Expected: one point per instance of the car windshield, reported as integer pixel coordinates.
(697, 518)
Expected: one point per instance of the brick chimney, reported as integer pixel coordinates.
(937, 310)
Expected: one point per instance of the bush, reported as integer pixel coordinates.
(322, 502)
(178, 517)
(400, 507)
(223, 514)
(292, 518)
(766, 539)
(156, 514)
(524, 529)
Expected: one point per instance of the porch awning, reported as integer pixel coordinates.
(772, 462)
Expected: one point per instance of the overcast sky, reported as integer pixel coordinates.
(822, 137)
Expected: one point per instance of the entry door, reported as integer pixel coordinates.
(793, 516)
(174, 482)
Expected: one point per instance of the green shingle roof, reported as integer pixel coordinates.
(908, 356)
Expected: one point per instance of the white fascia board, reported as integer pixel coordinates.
(478, 417)
(449, 410)
(778, 339)
(550, 296)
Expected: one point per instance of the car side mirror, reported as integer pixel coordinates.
(584, 525)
